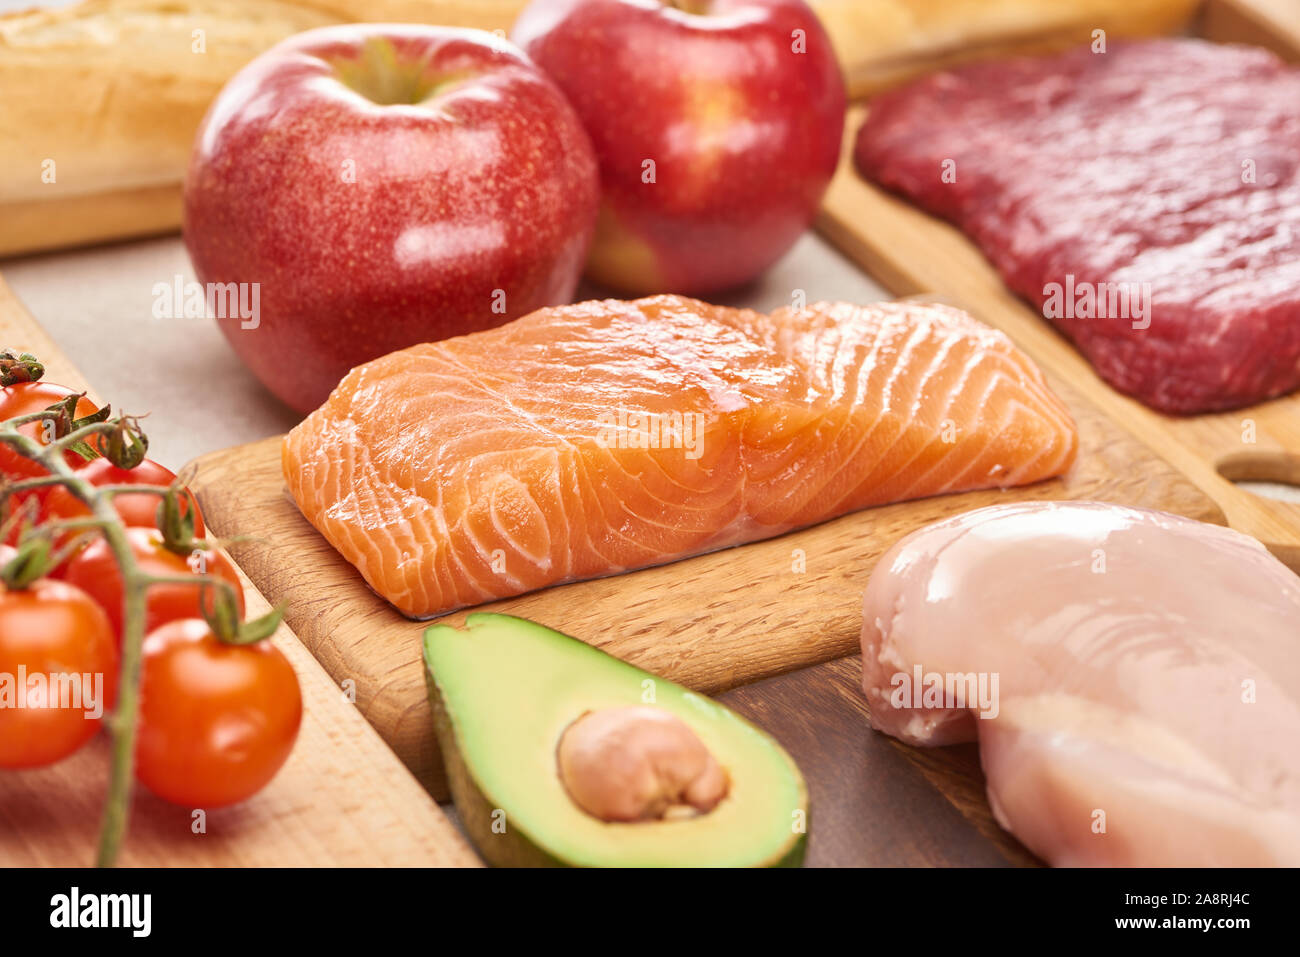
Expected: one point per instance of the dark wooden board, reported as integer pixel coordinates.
(873, 800)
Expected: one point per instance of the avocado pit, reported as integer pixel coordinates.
(638, 763)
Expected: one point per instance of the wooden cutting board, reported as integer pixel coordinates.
(911, 253)
(1268, 23)
(881, 43)
(343, 798)
(712, 622)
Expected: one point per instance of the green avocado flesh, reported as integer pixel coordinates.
(503, 692)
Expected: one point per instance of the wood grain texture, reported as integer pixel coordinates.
(712, 622)
(19, 332)
(873, 800)
(913, 253)
(37, 225)
(1268, 23)
(342, 798)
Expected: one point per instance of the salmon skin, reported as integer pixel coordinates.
(587, 440)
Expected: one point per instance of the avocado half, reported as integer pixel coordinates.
(504, 690)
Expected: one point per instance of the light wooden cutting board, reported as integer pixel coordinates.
(882, 43)
(1268, 23)
(910, 253)
(712, 622)
(343, 798)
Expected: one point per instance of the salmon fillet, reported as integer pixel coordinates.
(586, 440)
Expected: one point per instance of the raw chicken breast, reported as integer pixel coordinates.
(1140, 676)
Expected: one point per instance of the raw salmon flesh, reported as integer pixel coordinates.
(590, 439)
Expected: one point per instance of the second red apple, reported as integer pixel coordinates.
(716, 123)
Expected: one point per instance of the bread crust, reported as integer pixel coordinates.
(102, 99)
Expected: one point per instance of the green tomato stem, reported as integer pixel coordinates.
(125, 717)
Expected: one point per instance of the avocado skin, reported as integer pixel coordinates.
(796, 854)
(514, 848)
(510, 849)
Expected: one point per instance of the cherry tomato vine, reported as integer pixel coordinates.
(42, 453)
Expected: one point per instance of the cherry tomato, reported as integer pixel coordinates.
(62, 642)
(94, 569)
(135, 509)
(23, 399)
(216, 720)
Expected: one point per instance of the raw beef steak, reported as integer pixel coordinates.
(1146, 198)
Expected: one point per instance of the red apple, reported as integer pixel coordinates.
(717, 125)
(385, 185)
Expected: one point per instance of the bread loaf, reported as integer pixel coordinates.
(99, 102)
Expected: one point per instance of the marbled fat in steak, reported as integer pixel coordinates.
(1173, 163)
